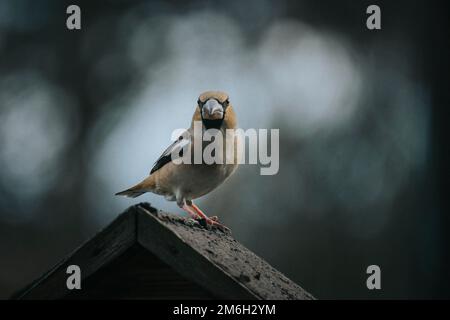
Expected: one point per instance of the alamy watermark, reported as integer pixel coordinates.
(215, 146)
(373, 22)
(74, 280)
(374, 280)
(73, 21)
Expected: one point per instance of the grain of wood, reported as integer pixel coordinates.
(143, 246)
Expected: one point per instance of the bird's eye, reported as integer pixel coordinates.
(200, 103)
(226, 103)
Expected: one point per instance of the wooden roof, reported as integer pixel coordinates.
(213, 260)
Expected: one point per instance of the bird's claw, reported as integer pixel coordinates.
(212, 223)
(215, 224)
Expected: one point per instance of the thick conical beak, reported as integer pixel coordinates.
(212, 110)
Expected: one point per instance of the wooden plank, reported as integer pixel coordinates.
(207, 263)
(100, 250)
(138, 274)
(212, 258)
(158, 237)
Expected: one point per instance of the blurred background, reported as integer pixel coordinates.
(363, 169)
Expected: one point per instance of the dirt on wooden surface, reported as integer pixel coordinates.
(231, 257)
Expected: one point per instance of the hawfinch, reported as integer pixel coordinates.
(184, 182)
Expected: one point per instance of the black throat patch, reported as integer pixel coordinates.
(212, 124)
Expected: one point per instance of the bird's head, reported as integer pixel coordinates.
(214, 110)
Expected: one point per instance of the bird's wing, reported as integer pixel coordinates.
(176, 147)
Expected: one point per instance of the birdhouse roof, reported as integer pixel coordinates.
(211, 259)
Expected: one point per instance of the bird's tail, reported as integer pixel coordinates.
(136, 190)
(130, 193)
(144, 186)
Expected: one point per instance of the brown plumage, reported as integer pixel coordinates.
(184, 182)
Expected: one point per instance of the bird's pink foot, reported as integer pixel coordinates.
(217, 225)
(213, 221)
(190, 211)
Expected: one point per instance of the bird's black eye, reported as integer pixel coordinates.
(226, 103)
(200, 103)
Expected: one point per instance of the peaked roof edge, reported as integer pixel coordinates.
(181, 246)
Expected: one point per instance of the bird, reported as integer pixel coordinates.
(188, 181)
